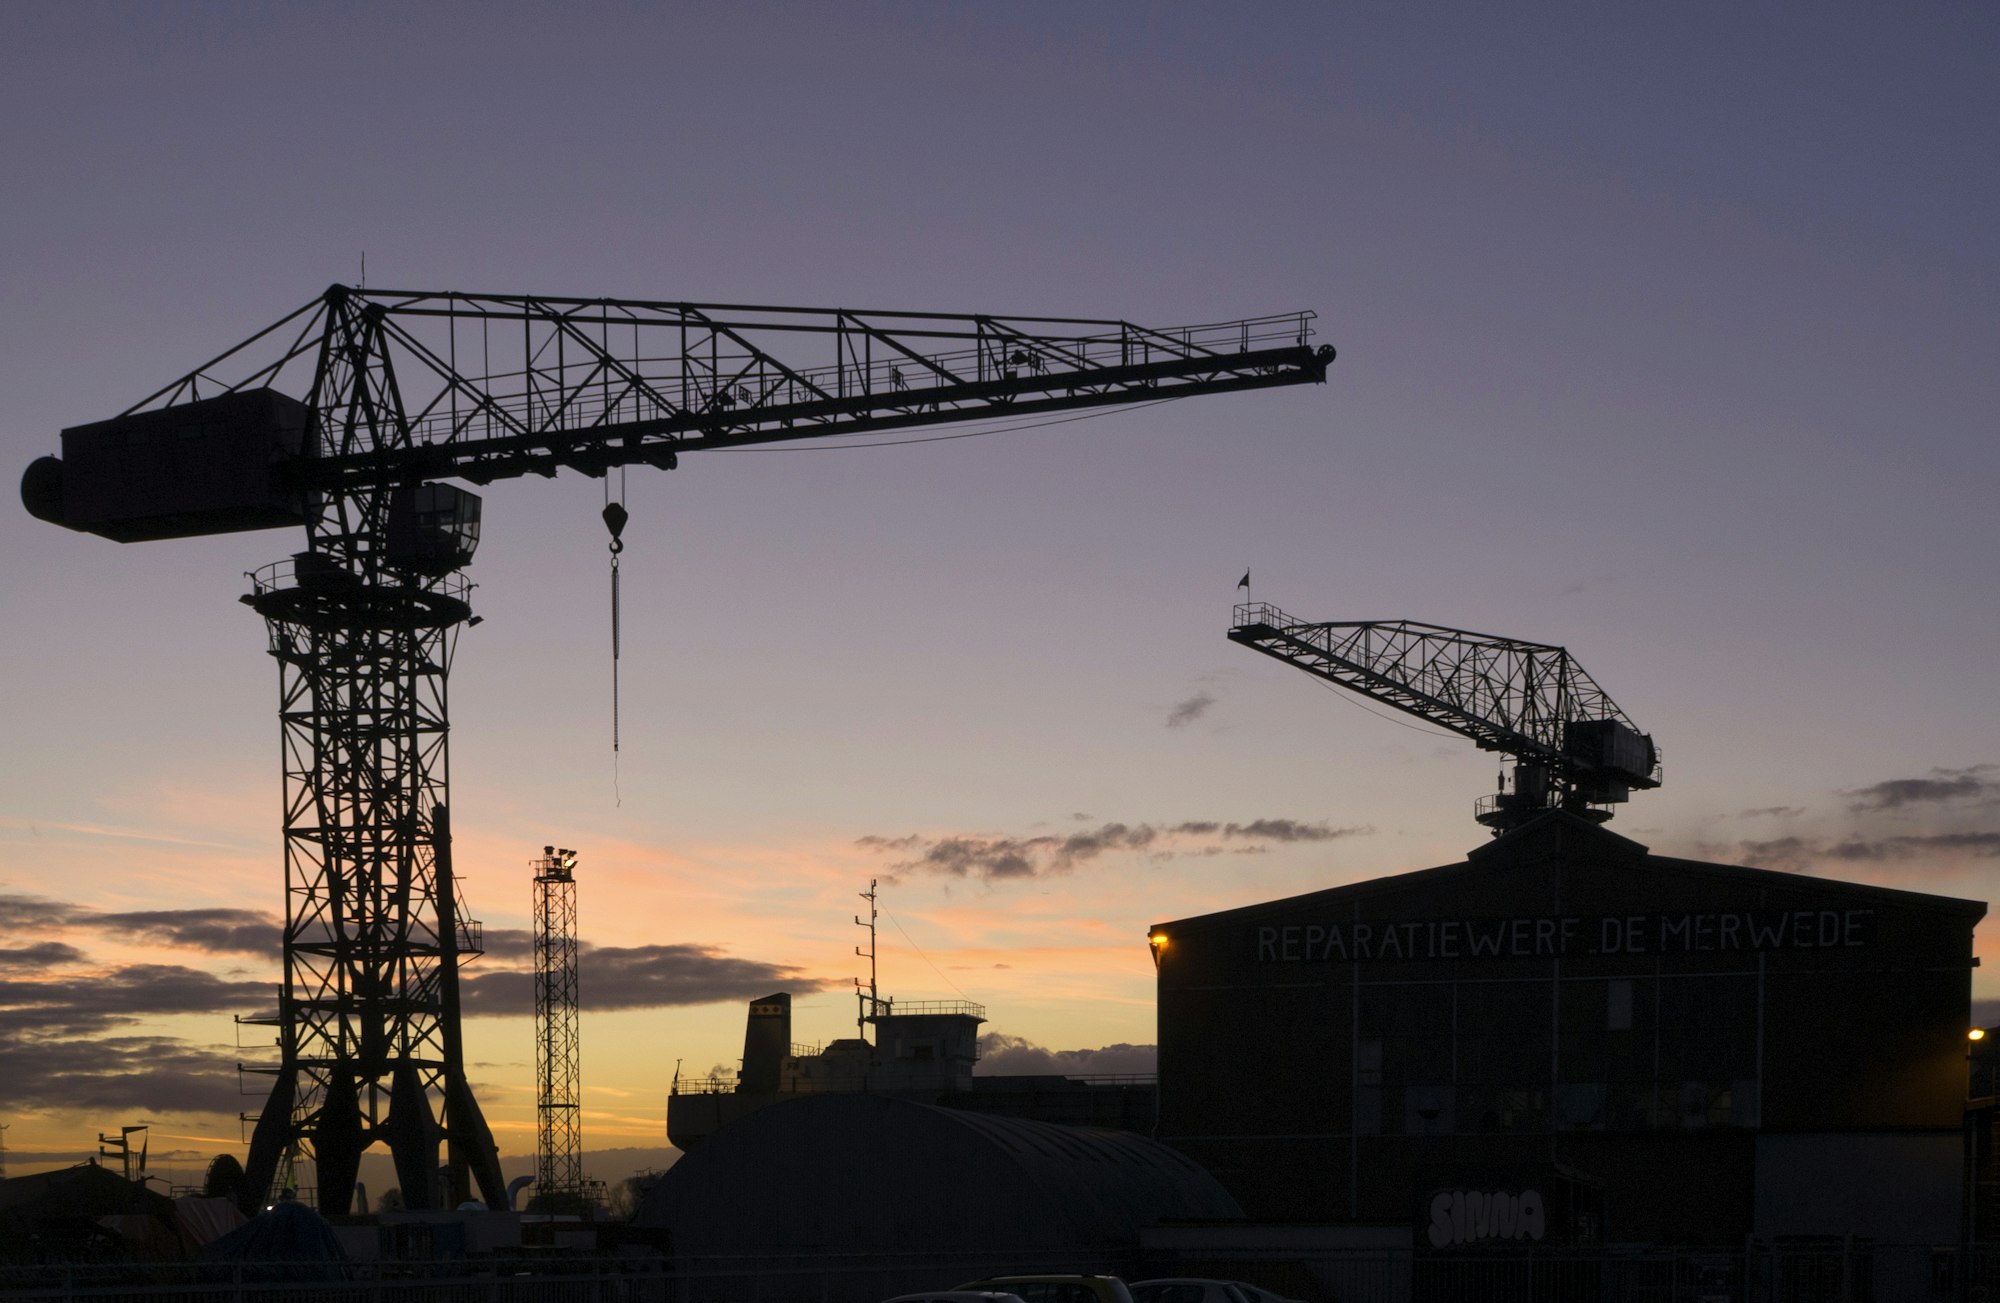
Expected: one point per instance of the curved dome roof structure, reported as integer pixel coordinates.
(870, 1173)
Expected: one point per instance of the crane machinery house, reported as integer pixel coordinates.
(1566, 1038)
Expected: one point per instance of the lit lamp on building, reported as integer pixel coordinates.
(1158, 942)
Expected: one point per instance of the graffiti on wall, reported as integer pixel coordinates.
(1460, 1217)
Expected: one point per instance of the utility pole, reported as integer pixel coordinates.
(865, 1004)
(120, 1147)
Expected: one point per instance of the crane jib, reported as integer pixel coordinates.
(1573, 747)
(254, 458)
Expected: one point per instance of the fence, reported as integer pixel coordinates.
(1836, 1271)
(815, 1278)
(1828, 1270)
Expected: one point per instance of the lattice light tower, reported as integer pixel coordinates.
(558, 1085)
(403, 390)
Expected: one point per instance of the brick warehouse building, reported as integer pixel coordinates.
(1567, 1038)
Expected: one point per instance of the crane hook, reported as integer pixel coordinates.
(615, 517)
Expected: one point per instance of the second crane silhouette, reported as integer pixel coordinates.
(1573, 748)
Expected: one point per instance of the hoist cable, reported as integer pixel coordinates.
(615, 517)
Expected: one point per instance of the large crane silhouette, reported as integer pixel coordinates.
(1573, 748)
(401, 392)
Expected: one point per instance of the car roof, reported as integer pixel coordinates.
(1185, 1280)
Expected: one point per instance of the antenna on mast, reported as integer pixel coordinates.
(865, 1004)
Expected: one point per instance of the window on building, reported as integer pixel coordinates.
(1580, 1105)
(1427, 1111)
(1368, 1111)
(1707, 1104)
(1618, 1005)
(1744, 1098)
(1520, 1110)
(1706, 1039)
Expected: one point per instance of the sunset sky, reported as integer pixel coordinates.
(1666, 333)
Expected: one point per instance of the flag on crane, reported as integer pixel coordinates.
(1244, 582)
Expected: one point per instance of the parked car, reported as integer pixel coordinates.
(1258, 1294)
(1058, 1289)
(1189, 1289)
(958, 1296)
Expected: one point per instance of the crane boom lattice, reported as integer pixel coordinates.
(1573, 746)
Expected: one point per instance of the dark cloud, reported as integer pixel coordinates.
(106, 1000)
(1079, 846)
(1772, 812)
(1023, 857)
(1983, 845)
(610, 977)
(1943, 785)
(981, 857)
(1778, 853)
(1003, 858)
(219, 931)
(1003, 1055)
(1187, 712)
(1287, 830)
(507, 943)
(1799, 854)
(43, 954)
(639, 977)
(18, 913)
(120, 1075)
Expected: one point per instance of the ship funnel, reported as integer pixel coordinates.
(767, 1039)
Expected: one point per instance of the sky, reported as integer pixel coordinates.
(1665, 333)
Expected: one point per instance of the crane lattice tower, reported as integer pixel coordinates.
(558, 1100)
(409, 389)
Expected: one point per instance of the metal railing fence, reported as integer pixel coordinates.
(1834, 1271)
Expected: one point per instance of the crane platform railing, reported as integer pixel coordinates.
(887, 1008)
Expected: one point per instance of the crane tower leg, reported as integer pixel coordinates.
(366, 960)
(363, 625)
